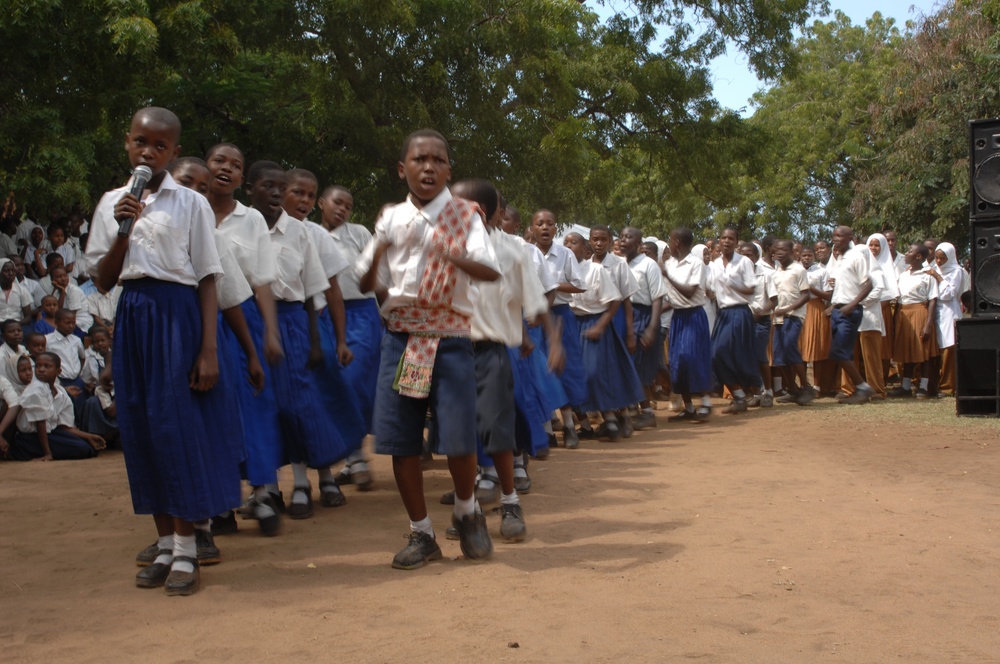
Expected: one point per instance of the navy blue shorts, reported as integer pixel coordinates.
(845, 334)
(762, 338)
(785, 348)
(398, 421)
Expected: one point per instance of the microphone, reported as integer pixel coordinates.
(140, 178)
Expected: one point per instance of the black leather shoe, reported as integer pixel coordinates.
(208, 553)
(421, 549)
(330, 495)
(183, 583)
(475, 538)
(146, 557)
(301, 510)
(155, 574)
(224, 525)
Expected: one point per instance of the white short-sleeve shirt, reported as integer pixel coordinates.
(351, 240)
(502, 305)
(724, 277)
(564, 269)
(245, 231)
(600, 291)
(688, 271)
(788, 285)
(12, 302)
(39, 405)
(300, 274)
(170, 241)
(649, 279)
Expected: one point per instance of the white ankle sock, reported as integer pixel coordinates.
(924, 382)
(706, 402)
(510, 499)
(864, 386)
(740, 394)
(422, 526)
(165, 543)
(301, 478)
(184, 545)
(204, 526)
(262, 510)
(907, 383)
(777, 383)
(464, 507)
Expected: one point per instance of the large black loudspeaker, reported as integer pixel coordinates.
(984, 215)
(977, 367)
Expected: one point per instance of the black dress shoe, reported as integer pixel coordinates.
(155, 574)
(475, 538)
(183, 583)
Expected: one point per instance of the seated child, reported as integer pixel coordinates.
(12, 338)
(52, 261)
(16, 376)
(45, 423)
(100, 415)
(96, 357)
(69, 348)
(70, 297)
(46, 320)
(35, 343)
(36, 251)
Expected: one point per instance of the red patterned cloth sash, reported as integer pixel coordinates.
(432, 318)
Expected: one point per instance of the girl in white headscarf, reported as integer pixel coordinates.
(16, 376)
(951, 284)
(879, 247)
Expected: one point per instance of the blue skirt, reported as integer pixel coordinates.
(340, 396)
(690, 356)
(574, 376)
(647, 361)
(308, 432)
(549, 387)
(531, 409)
(612, 382)
(364, 336)
(172, 436)
(262, 451)
(733, 348)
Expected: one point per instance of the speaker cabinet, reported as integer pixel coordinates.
(984, 169)
(977, 367)
(986, 267)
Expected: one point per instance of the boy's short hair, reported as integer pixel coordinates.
(423, 133)
(49, 297)
(98, 328)
(684, 236)
(601, 227)
(479, 191)
(162, 116)
(7, 323)
(258, 168)
(61, 314)
(330, 188)
(181, 161)
(301, 174)
(219, 146)
(922, 249)
(55, 358)
(52, 258)
(33, 335)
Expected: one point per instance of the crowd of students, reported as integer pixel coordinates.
(241, 339)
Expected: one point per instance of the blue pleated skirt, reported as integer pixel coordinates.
(173, 437)
(647, 361)
(364, 336)
(531, 409)
(733, 348)
(549, 386)
(690, 356)
(612, 382)
(574, 376)
(308, 432)
(340, 397)
(263, 453)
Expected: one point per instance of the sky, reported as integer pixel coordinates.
(733, 82)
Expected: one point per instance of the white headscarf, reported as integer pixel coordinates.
(950, 265)
(888, 267)
(10, 371)
(699, 251)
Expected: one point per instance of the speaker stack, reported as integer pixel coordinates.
(978, 338)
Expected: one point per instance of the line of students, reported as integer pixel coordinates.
(242, 324)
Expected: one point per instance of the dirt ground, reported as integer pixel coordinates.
(821, 534)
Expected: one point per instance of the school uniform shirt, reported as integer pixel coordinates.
(689, 271)
(788, 284)
(12, 302)
(537, 259)
(76, 302)
(39, 405)
(171, 240)
(723, 278)
(299, 271)
(334, 263)
(69, 257)
(899, 261)
(31, 287)
(409, 231)
(44, 288)
(503, 304)
(817, 279)
(8, 394)
(600, 291)
(949, 306)
(31, 251)
(649, 280)
(851, 274)
(23, 235)
(565, 269)
(8, 246)
(621, 274)
(871, 306)
(351, 239)
(70, 352)
(245, 231)
(764, 289)
(6, 353)
(93, 362)
(231, 287)
(103, 305)
(916, 287)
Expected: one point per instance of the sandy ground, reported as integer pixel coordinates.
(826, 534)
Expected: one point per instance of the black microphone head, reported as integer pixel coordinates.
(143, 172)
